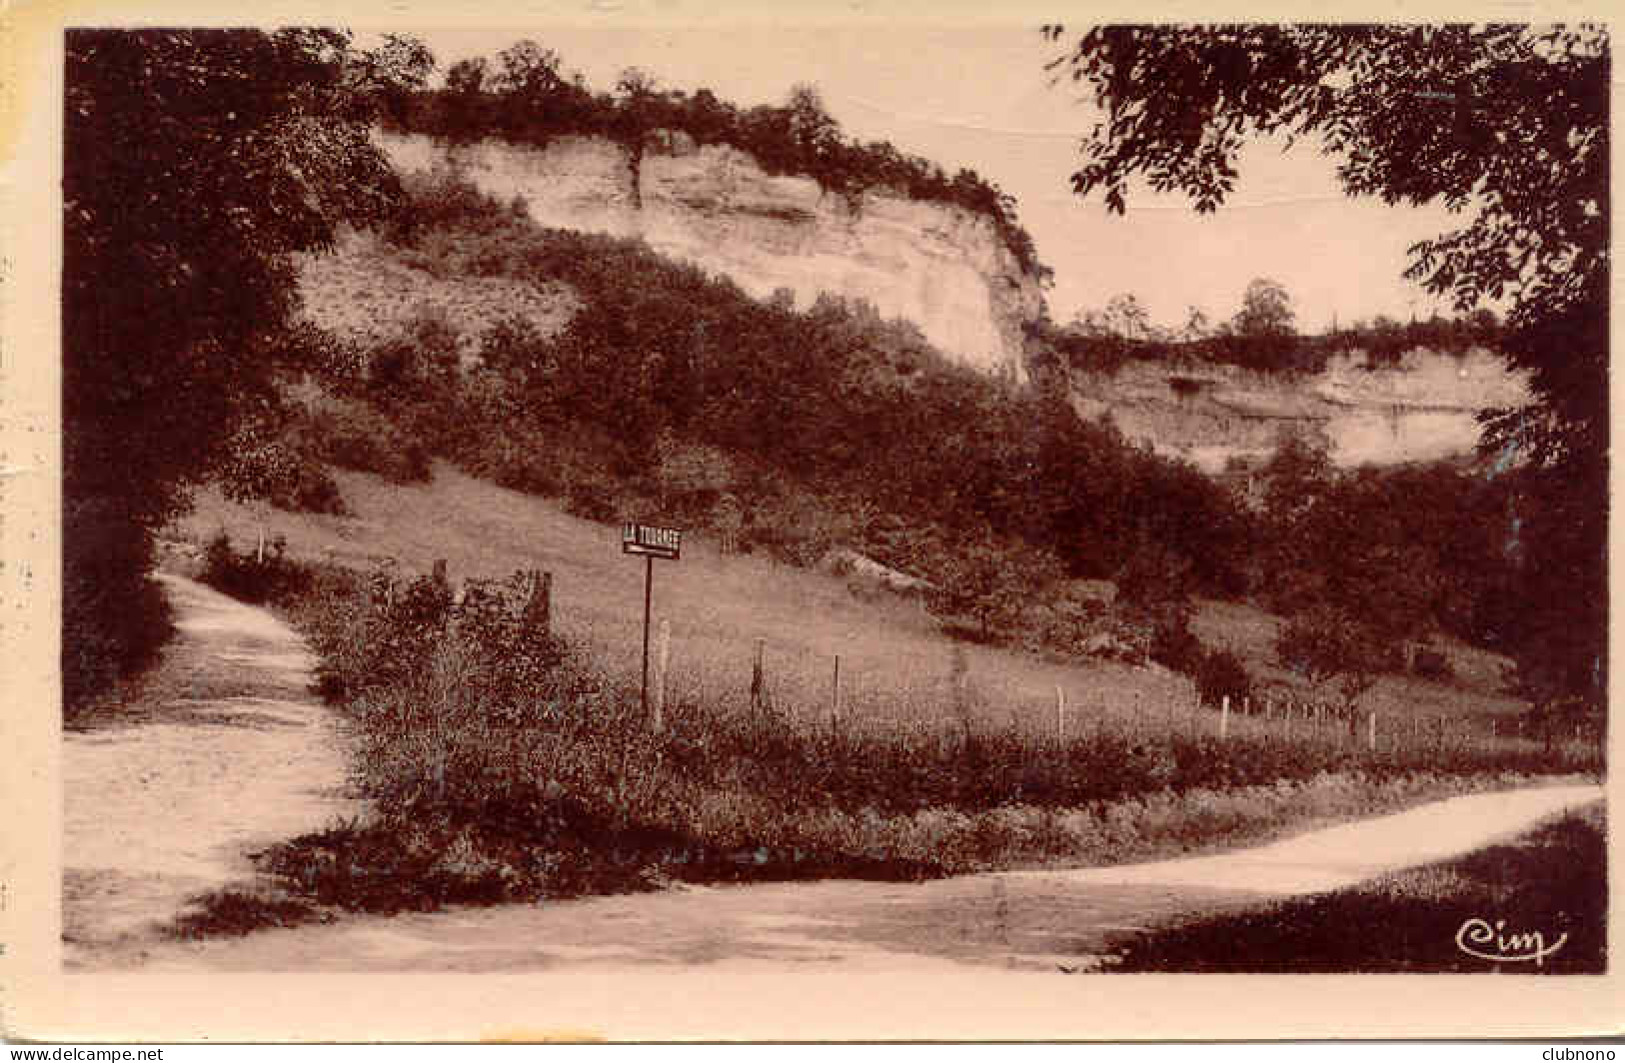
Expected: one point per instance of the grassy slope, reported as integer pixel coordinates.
(894, 661)
(891, 652)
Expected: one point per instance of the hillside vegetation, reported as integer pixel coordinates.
(631, 385)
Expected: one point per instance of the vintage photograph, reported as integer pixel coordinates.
(956, 498)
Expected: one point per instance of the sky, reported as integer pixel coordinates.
(978, 95)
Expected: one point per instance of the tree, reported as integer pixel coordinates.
(1326, 644)
(1123, 317)
(1266, 310)
(465, 111)
(1196, 327)
(194, 164)
(1508, 124)
(529, 71)
(634, 114)
(391, 73)
(467, 76)
(813, 130)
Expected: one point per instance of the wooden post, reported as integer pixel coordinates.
(835, 694)
(539, 610)
(1060, 714)
(648, 593)
(1371, 730)
(756, 677)
(440, 577)
(662, 659)
(1224, 718)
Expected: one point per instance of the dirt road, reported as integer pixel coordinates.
(224, 752)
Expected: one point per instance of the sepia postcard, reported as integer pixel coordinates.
(670, 521)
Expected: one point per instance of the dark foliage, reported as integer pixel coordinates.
(194, 163)
(1383, 342)
(257, 576)
(114, 619)
(1221, 674)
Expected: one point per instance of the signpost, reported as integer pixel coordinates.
(649, 542)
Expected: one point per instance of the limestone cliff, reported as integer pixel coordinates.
(941, 267)
(1423, 409)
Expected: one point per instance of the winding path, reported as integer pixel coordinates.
(223, 752)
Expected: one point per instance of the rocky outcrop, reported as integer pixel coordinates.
(1423, 409)
(941, 267)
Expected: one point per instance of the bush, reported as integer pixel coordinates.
(354, 435)
(1175, 646)
(1432, 664)
(250, 577)
(1221, 674)
(312, 490)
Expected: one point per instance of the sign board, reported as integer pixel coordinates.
(651, 541)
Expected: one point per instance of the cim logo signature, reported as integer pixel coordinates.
(1479, 939)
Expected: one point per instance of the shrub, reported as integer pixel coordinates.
(354, 435)
(1432, 664)
(1174, 645)
(1221, 674)
(311, 489)
(251, 577)
(114, 619)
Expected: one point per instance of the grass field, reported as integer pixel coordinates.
(896, 666)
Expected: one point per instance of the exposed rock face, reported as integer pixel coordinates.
(939, 266)
(1424, 409)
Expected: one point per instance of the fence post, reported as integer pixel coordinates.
(835, 694)
(440, 577)
(959, 677)
(1371, 730)
(657, 718)
(756, 677)
(1060, 714)
(539, 610)
(1224, 718)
